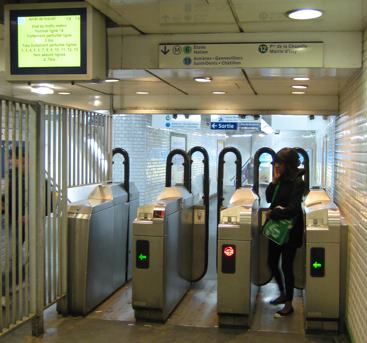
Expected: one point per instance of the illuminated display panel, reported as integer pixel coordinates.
(48, 41)
(228, 259)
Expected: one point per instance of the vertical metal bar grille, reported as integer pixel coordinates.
(44, 150)
(87, 147)
(14, 215)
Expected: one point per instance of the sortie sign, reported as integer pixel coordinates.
(242, 55)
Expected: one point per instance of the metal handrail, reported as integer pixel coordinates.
(258, 153)
(221, 162)
(206, 193)
(187, 169)
(126, 164)
(306, 165)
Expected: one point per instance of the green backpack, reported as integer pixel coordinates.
(277, 230)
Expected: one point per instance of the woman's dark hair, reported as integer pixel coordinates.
(290, 158)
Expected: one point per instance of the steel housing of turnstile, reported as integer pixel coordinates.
(99, 221)
(176, 257)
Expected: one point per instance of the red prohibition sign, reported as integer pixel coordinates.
(229, 251)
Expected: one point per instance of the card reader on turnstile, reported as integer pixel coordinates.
(322, 292)
(236, 263)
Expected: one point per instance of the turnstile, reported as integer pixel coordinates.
(323, 263)
(169, 247)
(236, 265)
(161, 236)
(98, 242)
(236, 262)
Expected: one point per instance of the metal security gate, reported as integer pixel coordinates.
(44, 149)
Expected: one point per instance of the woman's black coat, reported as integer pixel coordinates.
(289, 197)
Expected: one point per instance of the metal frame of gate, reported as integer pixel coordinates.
(45, 149)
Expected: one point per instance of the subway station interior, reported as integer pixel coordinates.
(183, 170)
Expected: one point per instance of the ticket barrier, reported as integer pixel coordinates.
(323, 294)
(169, 247)
(237, 224)
(237, 265)
(98, 236)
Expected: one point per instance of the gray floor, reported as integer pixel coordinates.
(194, 320)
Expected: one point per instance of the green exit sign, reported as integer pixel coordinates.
(142, 254)
(317, 262)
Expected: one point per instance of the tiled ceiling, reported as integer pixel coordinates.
(204, 16)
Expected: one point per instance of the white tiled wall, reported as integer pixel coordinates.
(351, 194)
(130, 133)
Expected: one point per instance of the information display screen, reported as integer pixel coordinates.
(51, 41)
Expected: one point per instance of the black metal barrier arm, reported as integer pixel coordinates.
(187, 169)
(306, 164)
(258, 153)
(205, 200)
(126, 163)
(221, 175)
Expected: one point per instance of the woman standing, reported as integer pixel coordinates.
(285, 193)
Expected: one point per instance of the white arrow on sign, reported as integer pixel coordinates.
(214, 125)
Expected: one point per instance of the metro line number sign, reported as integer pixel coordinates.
(242, 55)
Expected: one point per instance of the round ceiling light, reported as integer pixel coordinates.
(218, 92)
(142, 93)
(298, 93)
(203, 79)
(304, 14)
(64, 93)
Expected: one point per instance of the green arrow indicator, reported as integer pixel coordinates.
(317, 265)
(142, 257)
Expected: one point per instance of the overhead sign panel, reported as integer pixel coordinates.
(242, 55)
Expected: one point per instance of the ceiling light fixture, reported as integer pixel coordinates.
(42, 90)
(218, 92)
(304, 14)
(97, 102)
(298, 93)
(111, 80)
(300, 86)
(203, 79)
(64, 93)
(142, 93)
(301, 79)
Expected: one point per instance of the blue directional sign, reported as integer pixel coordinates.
(223, 126)
(250, 125)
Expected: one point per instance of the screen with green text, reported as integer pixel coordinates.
(49, 41)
